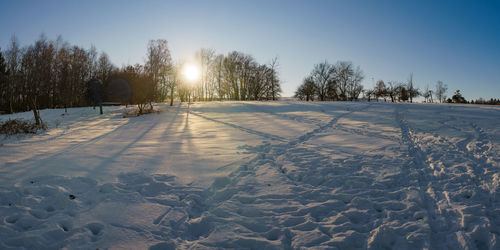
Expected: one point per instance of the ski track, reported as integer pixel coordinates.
(287, 194)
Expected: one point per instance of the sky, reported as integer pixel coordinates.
(457, 42)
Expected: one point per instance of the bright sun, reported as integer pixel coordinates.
(191, 72)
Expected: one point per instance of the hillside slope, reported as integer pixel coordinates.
(256, 175)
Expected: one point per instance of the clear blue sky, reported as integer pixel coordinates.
(457, 42)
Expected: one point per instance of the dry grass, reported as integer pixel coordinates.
(19, 126)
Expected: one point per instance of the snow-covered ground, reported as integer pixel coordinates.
(256, 175)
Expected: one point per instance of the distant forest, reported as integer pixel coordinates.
(342, 82)
(56, 74)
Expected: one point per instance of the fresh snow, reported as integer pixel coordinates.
(269, 175)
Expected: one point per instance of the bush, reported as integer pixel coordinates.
(135, 111)
(19, 126)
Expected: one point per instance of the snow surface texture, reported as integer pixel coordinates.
(276, 175)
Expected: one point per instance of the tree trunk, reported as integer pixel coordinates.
(36, 114)
(272, 88)
(171, 96)
(139, 106)
(37, 117)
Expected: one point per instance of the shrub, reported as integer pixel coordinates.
(19, 126)
(134, 111)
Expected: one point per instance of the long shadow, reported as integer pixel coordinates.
(76, 146)
(39, 161)
(106, 162)
(250, 131)
(169, 126)
(289, 107)
(185, 138)
(63, 133)
(290, 117)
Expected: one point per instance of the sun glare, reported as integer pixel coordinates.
(191, 72)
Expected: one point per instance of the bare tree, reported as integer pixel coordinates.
(14, 56)
(354, 87)
(392, 90)
(307, 90)
(369, 93)
(158, 64)
(380, 90)
(412, 91)
(231, 73)
(257, 82)
(441, 89)
(4, 73)
(235, 76)
(173, 81)
(341, 81)
(63, 73)
(79, 77)
(343, 72)
(93, 61)
(218, 71)
(322, 76)
(427, 94)
(205, 58)
(273, 66)
(141, 83)
(104, 68)
(401, 92)
(34, 75)
(348, 80)
(245, 68)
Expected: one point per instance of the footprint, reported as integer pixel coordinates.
(65, 225)
(39, 214)
(273, 234)
(107, 188)
(12, 219)
(27, 223)
(95, 228)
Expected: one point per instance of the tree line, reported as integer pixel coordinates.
(56, 74)
(342, 82)
(235, 76)
(332, 82)
(48, 74)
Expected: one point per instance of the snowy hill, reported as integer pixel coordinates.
(270, 175)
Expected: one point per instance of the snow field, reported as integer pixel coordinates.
(277, 175)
